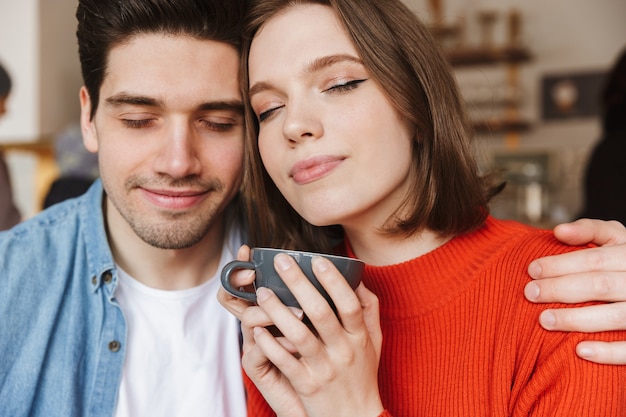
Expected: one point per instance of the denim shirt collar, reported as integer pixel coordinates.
(99, 257)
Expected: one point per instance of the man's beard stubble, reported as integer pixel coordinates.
(175, 230)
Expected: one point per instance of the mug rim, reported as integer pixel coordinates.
(303, 252)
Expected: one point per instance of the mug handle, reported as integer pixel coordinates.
(227, 270)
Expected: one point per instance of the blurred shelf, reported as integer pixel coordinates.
(40, 146)
(500, 126)
(46, 170)
(488, 56)
(442, 31)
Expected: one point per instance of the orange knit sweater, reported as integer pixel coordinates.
(460, 339)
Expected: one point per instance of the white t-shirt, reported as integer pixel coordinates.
(182, 354)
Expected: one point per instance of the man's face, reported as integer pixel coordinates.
(169, 136)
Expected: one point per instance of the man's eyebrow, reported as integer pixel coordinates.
(315, 65)
(138, 100)
(233, 105)
(131, 99)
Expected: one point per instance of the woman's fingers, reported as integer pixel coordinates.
(240, 279)
(288, 323)
(234, 305)
(371, 315)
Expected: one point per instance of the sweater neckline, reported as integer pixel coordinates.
(429, 281)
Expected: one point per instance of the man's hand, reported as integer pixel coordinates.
(596, 274)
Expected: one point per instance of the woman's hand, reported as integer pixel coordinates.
(240, 278)
(331, 370)
(596, 274)
(279, 394)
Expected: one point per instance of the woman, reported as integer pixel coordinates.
(360, 125)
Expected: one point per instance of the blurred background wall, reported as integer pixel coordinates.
(38, 48)
(564, 38)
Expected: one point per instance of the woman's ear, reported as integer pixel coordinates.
(87, 126)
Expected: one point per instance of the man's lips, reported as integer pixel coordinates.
(312, 169)
(173, 199)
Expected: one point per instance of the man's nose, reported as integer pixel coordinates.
(178, 156)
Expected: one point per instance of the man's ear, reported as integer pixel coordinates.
(87, 125)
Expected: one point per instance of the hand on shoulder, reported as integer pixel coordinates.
(594, 274)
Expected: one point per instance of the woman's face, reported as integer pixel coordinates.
(330, 139)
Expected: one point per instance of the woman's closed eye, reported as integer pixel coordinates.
(345, 86)
(267, 113)
(337, 88)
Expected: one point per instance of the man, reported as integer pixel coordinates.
(9, 214)
(108, 302)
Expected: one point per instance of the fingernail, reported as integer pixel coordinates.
(531, 291)
(534, 269)
(282, 261)
(547, 320)
(320, 263)
(262, 294)
(297, 312)
(258, 330)
(585, 352)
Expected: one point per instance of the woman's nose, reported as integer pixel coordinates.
(302, 122)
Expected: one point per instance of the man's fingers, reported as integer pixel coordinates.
(610, 353)
(589, 319)
(606, 258)
(583, 231)
(610, 235)
(576, 288)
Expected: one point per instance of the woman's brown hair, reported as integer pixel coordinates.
(448, 194)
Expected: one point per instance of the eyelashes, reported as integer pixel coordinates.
(264, 115)
(137, 124)
(218, 127)
(206, 124)
(339, 88)
(347, 86)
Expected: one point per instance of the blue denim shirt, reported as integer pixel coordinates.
(62, 334)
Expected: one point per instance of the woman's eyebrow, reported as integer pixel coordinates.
(327, 61)
(314, 66)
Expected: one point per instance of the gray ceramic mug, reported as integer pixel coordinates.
(262, 262)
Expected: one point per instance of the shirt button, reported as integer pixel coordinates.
(114, 346)
(107, 278)
(94, 280)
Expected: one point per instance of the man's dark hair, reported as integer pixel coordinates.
(104, 24)
(5, 82)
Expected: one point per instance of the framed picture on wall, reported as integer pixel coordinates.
(571, 95)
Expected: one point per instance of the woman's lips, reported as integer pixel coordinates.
(312, 169)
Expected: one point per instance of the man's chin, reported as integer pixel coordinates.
(180, 236)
